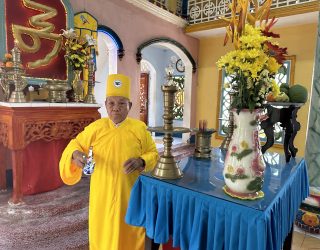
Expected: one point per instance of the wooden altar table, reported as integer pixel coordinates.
(24, 123)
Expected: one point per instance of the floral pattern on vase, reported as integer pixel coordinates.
(244, 165)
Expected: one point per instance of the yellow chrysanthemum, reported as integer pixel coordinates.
(244, 145)
(272, 65)
(275, 88)
(230, 169)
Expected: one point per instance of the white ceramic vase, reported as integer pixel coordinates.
(244, 165)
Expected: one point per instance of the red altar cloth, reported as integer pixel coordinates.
(41, 166)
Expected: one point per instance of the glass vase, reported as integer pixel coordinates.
(244, 165)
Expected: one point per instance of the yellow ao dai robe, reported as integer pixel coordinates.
(110, 187)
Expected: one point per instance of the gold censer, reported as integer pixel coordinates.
(203, 140)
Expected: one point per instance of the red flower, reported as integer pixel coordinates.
(276, 52)
(234, 148)
(266, 31)
(240, 171)
(256, 166)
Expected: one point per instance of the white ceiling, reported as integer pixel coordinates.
(311, 17)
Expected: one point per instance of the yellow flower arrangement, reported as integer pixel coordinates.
(253, 64)
(75, 47)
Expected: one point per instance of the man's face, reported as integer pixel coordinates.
(118, 108)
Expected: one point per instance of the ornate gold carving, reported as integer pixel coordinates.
(54, 130)
(4, 134)
(35, 34)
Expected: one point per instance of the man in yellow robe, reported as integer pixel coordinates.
(122, 148)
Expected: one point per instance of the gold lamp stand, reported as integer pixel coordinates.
(91, 71)
(167, 167)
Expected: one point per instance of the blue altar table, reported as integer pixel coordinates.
(198, 215)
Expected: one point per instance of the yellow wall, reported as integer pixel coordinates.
(300, 41)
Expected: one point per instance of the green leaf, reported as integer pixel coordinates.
(256, 184)
(253, 123)
(233, 178)
(234, 154)
(244, 153)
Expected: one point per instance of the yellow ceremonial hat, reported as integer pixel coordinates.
(118, 85)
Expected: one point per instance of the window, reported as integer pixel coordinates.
(179, 97)
(285, 76)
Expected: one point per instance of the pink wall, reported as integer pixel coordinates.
(135, 26)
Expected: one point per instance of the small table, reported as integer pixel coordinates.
(286, 114)
(24, 123)
(199, 215)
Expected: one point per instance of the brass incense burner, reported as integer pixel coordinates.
(57, 90)
(203, 142)
(167, 167)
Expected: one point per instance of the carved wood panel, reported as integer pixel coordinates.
(54, 130)
(4, 134)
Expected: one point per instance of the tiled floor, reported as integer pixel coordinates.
(304, 241)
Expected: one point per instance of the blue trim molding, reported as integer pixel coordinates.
(166, 40)
(70, 13)
(113, 35)
(3, 32)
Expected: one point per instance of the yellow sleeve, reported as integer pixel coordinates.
(70, 173)
(149, 149)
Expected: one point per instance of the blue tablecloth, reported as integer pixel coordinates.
(199, 215)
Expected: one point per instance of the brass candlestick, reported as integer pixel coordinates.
(227, 139)
(203, 143)
(167, 167)
(91, 71)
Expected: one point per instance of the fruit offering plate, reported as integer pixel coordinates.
(285, 104)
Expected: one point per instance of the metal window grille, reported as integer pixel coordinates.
(179, 98)
(200, 11)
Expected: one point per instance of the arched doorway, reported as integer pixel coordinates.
(148, 68)
(155, 118)
(106, 64)
(110, 48)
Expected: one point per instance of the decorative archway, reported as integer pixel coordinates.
(113, 35)
(166, 40)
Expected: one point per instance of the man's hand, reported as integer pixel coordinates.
(133, 164)
(79, 158)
